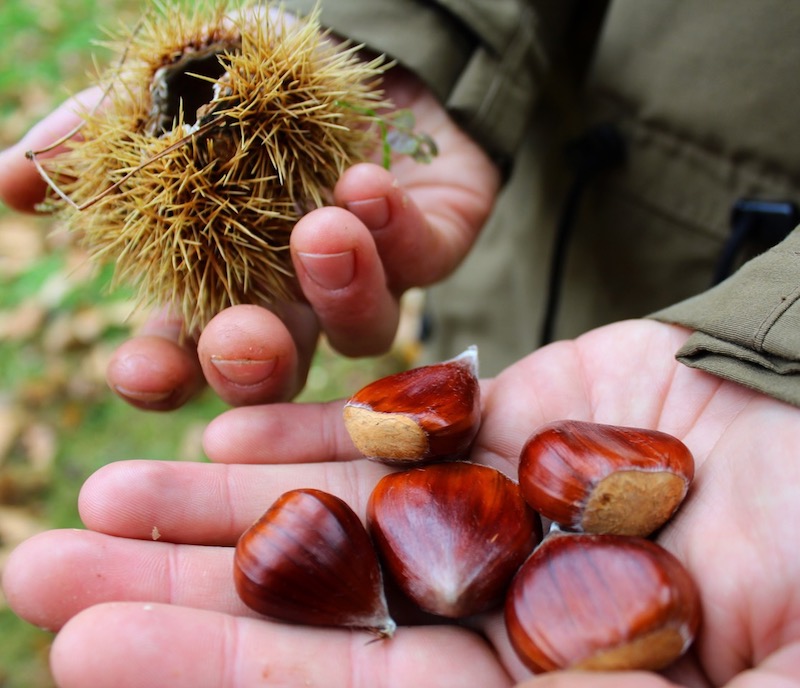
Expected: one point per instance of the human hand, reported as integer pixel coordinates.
(388, 231)
(134, 612)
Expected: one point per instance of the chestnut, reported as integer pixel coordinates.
(419, 415)
(601, 602)
(596, 478)
(309, 560)
(452, 535)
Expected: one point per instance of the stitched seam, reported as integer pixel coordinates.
(524, 35)
(773, 316)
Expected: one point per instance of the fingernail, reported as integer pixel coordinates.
(244, 372)
(373, 212)
(330, 270)
(144, 398)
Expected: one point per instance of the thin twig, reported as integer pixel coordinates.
(208, 126)
(44, 175)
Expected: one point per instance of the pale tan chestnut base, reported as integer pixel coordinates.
(392, 436)
(633, 502)
(649, 652)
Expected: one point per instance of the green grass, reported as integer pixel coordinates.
(45, 56)
(47, 51)
(90, 426)
(25, 651)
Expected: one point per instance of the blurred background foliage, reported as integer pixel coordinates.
(59, 325)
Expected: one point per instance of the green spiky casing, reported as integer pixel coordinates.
(219, 128)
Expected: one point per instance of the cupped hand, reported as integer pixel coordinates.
(388, 231)
(137, 612)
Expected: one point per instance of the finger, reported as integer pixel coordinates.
(250, 355)
(424, 226)
(180, 647)
(247, 354)
(342, 278)
(279, 434)
(205, 503)
(97, 568)
(413, 253)
(21, 185)
(53, 576)
(421, 232)
(154, 371)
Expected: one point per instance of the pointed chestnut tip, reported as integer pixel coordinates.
(452, 535)
(468, 358)
(385, 631)
(419, 415)
(309, 560)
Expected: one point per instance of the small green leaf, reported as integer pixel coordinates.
(403, 119)
(398, 135)
(402, 142)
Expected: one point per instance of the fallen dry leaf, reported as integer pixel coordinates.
(22, 242)
(40, 444)
(23, 322)
(12, 421)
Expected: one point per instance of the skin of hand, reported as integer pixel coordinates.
(386, 232)
(131, 611)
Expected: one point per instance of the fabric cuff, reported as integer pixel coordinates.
(480, 66)
(747, 329)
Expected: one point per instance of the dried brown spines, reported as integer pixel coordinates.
(217, 132)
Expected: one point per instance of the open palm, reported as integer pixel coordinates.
(138, 612)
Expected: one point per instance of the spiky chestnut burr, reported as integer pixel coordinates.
(218, 128)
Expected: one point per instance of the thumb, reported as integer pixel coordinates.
(21, 185)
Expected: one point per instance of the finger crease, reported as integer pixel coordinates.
(229, 488)
(231, 663)
(173, 571)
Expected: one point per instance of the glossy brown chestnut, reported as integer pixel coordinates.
(599, 478)
(420, 415)
(603, 603)
(452, 535)
(309, 560)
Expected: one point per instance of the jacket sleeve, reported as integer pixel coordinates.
(484, 59)
(747, 329)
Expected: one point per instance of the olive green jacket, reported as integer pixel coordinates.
(704, 96)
